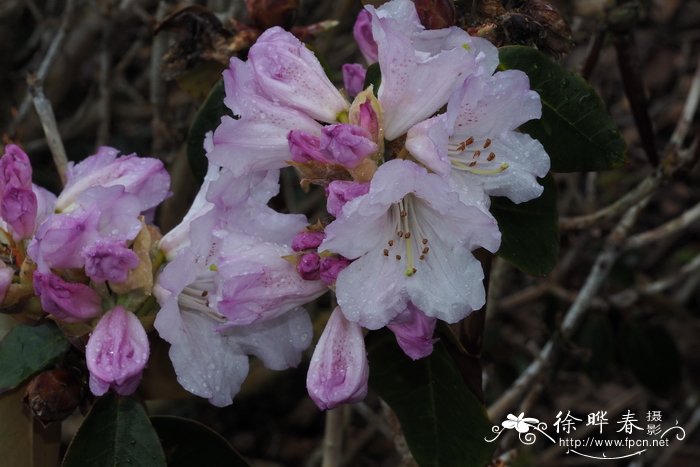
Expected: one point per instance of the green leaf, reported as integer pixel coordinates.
(575, 128)
(443, 422)
(26, 350)
(652, 355)
(187, 443)
(207, 119)
(529, 231)
(373, 77)
(116, 432)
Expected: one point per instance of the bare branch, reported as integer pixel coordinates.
(666, 230)
(48, 123)
(46, 63)
(573, 317)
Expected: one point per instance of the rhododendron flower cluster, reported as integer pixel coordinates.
(407, 169)
(86, 255)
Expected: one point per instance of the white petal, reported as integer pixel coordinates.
(207, 363)
(427, 141)
(371, 290)
(279, 342)
(526, 159)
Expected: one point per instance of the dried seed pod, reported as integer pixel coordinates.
(436, 14)
(54, 394)
(268, 13)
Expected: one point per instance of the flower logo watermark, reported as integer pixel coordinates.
(629, 436)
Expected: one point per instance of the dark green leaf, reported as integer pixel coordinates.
(443, 422)
(26, 350)
(207, 119)
(530, 231)
(187, 443)
(373, 77)
(575, 128)
(651, 354)
(116, 432)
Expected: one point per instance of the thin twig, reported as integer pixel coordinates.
(666, 230)
(45, 64)
(643, 189)
(157, 90)
(691, 105)
(48, 123)
(333, 437)
(105, 100)
(628, 63)
(575, 314)
(594, 48)
(627, 297)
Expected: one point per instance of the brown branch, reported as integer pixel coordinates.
(48, 123)
(628, 62)
(601, 268)
(45, 64)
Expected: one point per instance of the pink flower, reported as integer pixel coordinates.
(341, 144)
(227, 293)
(339, 370)
(307, 240)
(19, 204)
(143, 177)
(117, 353)
(287, 71)
(414, 332)
(109, 261)
(67, 301)
(421, 68)
(339, 192)
(410, 238)
(19, 208)
(362, 32)
(354, 78)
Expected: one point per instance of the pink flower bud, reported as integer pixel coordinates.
(339, 370)
(340, 192)
(414, 332)
(368, 119)
(116, 353)
(354, 78)
(307, 240)
(109, 261)
(18, 209)
(347, 144)
(68, 301)
(330, 268)
(362, 32)
(308, 266)
(305, 147)
(15, 167)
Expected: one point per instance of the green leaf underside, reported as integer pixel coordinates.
(529, 231)
(26, 350)
(116, 432)
(443, 422)
(575, 128)
(207, 119)
(187, 443)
